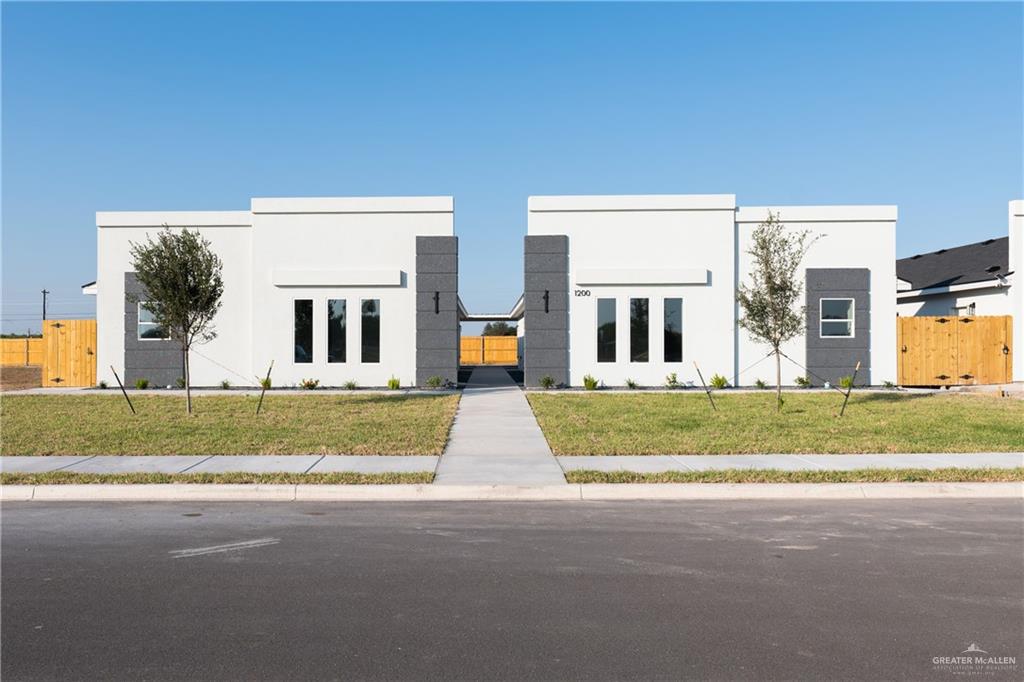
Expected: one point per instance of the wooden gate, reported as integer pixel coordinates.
(947, 351)
(489, 350)
(69, 353)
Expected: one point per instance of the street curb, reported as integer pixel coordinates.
(192, 492)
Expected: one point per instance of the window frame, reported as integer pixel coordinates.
(312, 331)
(327, 330)
(362, 337)
(852, 319)
(615, 329)
(632, 320)
(139, 323)
(664, 330)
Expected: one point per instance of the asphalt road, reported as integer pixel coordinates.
(523, 591)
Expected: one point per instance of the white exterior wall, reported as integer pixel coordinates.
(230, 236)
(670, 237)
(346, 237)
(987, 301)
(334, 248)
(1016, 220)
(848, 237)
(646, 233)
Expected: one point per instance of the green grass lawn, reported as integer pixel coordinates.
(683, 423)
(949, 475)
(226, 425)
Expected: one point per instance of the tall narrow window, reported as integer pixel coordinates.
(673, 330)
(336, 324)
(303, 330)
(837, 317)
(606, 330)
(639, 329)
(371, 330)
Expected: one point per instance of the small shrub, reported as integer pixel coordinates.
(631, 384)
(718, 381)
(760, 383)
(845, 382)
(888, 384)
(547, 381)
(589, 383)
(103, 383)
(265, 383)
(309, 384)
(141, 384)
(672, 381)
(225, 384)
(394, 384)
(179, 382)
(435, 382)
(803, 382)
(351, 385)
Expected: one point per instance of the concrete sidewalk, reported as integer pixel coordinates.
(201, 464)
(495, 439)
(662, 463)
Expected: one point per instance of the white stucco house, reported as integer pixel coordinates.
(617, 287)
(336, 289)
(638, 287)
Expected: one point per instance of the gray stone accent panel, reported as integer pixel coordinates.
(437, 333)
(832, 358)
(157, 360)
(546, 343)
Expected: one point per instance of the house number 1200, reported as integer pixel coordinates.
(583, 292)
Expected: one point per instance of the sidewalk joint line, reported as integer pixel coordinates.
(813, 464)
(314, 464)
(678, 459)
(191, 466)
(76, 463)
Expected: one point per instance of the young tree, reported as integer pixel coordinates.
(499, 328)
(181, 276)
(769, 303)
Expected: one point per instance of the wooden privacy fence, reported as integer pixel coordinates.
(20, 352)
(947, 351)
(69, 353)
(489, 350)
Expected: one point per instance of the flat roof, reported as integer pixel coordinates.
(634, 202)
(430, 204)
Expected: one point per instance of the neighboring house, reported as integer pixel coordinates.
(984, 278)
(637, 287)
(335, 289)
(973, 279)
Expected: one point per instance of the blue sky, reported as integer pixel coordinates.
(202, 106)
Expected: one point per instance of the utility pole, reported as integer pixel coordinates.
(45, 292)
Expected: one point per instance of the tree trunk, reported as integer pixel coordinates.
(188, 383)
(778, 381)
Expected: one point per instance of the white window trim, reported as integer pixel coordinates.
(327, 331)
(139, 323)
(852, 319)
(380, 332)
(682, 326)
(312, 339)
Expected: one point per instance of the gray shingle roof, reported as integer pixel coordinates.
(977, 262)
